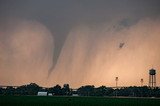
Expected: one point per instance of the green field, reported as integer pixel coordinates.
(75, 101)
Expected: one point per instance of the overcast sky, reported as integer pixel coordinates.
(62, 15)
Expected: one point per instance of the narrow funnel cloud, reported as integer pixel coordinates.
(26, 53)
(91, 55)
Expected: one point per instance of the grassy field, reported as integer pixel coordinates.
(75, 101)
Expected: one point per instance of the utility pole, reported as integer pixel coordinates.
(141, 82)
(116, 79)
(116, 82)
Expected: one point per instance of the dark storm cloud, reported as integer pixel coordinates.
(61, 15)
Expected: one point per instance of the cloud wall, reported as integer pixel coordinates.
(91, 54)
(26, 52)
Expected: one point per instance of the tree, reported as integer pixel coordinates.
(30, 89)
(9, 91)
(56, 90)
(87, 90)
(66, 90)
(103, 91)
(1, 91)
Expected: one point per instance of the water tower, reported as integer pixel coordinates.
(152, 78)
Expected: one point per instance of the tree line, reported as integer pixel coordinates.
(88, 90)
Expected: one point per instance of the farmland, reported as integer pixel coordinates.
(75, 101)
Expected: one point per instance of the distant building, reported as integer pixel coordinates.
(75, 95)
(50, 94)
(42, 94)
(74, 92)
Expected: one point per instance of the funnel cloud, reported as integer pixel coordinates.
(91, 56)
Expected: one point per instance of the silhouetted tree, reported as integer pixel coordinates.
(66, 90)
(87, 90)
(56, 90)
(30, 89)
(103, 91)
(9, 91)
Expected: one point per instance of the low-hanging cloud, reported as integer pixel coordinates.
(26, 52)
(91, 54)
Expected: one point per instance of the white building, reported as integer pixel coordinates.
(50, 94)
(42, 93)
(75, 95)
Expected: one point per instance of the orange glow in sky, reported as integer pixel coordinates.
(89, 55)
